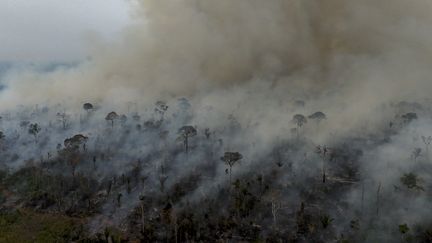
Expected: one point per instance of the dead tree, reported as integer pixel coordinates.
(416, 153)
(323, 152)
(185, 133)
(141, 198)
(378, 199)
(427, 141)
(276, 205)
(63, 118)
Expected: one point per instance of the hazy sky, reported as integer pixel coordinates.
(56, 30)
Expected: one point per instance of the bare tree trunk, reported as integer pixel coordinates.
(274, 212)
(362, 198)
(378, 198)
(142, 218)
(323, 172)
(176, 232)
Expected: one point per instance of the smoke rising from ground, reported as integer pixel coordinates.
(361, 53)
(255, 60)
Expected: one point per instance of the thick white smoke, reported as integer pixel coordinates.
(254, 59)
(361, 49)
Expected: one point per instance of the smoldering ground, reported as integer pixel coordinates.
(244, 66)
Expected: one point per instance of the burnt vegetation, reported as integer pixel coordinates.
(159, 176)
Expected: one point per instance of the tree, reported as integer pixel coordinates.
(318, 117)
(185, 133)
(276, 204)
(230, 158)
(207, 133)
(162, 179)
(409, 117)
(2, 137)
(299, 120)
(73, 161)
(119, 196)
(403, 228)
(88, 107)
(301, 220)
(411, 181)
(63, 118)
(326, 220)
(111, 117)
(72, 146)
(323, 152)
(75, 142)
(142, 198)
(378, 198)
(416, 153)
(161, 108)
(427, 141)
(34, 130)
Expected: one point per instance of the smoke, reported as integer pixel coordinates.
(254, 59)
(361, 52)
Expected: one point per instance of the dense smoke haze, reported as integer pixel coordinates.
(238, 76)
(346, 55)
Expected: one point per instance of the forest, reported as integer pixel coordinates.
(156, 176)
(217, 121)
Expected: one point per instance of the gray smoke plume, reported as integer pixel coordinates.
(263, 62)
(363, 51)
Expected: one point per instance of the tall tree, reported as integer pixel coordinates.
(63, 118)
(318, 117)
(2, 138)
(427, 141)
(75, 142)
(34, 130)
(111, 117)
(230, 158)
(88, 107)
(160, 108)
(185, 133)
(299, 120)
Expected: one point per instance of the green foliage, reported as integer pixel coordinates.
(403, 228)
(27, 226)
(325, 220)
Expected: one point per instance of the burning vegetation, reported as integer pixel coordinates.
(228, 121)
